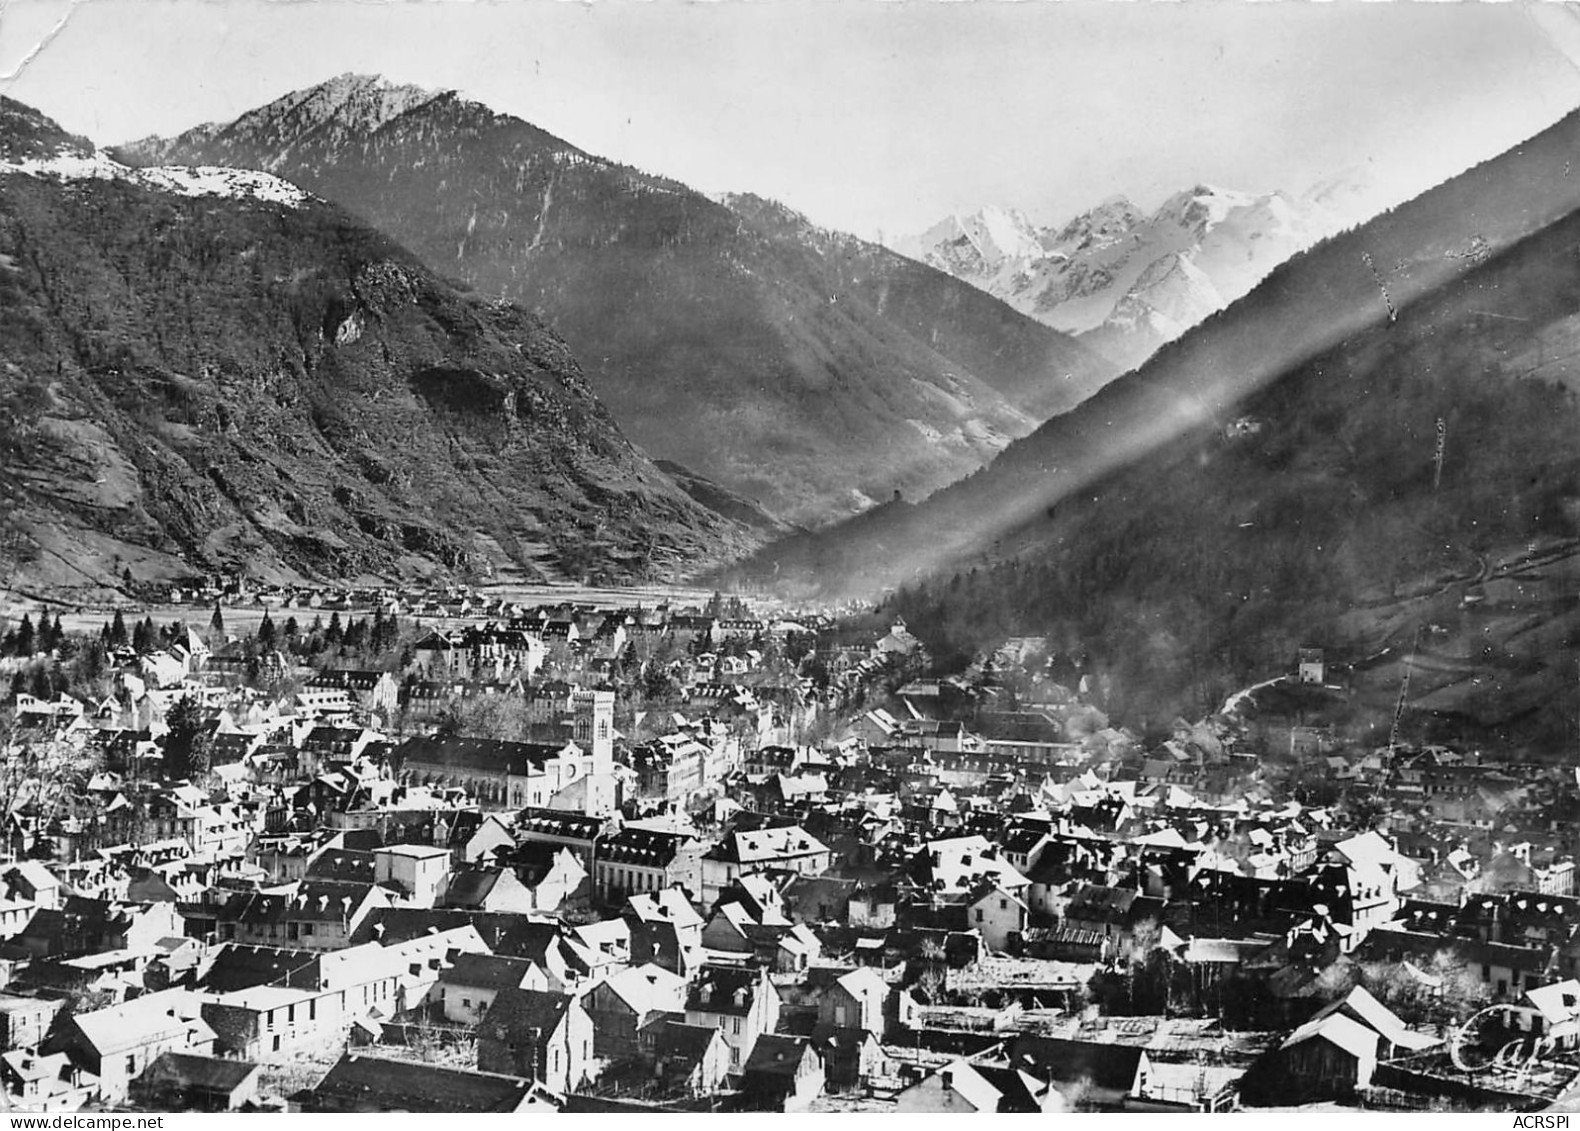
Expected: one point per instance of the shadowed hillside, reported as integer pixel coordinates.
(1323, 521)
(202, 369)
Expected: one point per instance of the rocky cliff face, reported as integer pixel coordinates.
(204, 368)
(812, 376)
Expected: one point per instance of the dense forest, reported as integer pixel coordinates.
(1418, 481)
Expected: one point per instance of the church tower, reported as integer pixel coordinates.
(594, 733)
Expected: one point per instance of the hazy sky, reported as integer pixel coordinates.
(865, 114)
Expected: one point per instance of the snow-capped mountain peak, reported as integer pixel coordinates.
(1110, 221)
(1129, 279)
(975, 241)
(1203, 207)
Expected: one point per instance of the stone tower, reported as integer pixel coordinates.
(593, 731)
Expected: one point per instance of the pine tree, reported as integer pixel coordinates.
(89, 663)
(266, 633)
(144, 638)
(216, 623)
(334, 634)
(386, 632)
(118, 631)
(188, 746)
(25, 640)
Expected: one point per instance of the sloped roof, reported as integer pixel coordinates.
(969, 1084)
(471, 887)
(34, 874)
(956, 860)
(314, 901)
(648, 848)
(1363, 1007)
(776, 1055)
(1558, 1002)
(648, 988)
(717, 988)
(519, 1013)
(206, 1072)
(342, 864)
(612, 933)
(767, 844)
(459, 754)
(347, 679)
(987, 888)
(236, 967)
(490, 971)
(1098, 901)
(157, 1016)
(1112, 1067)
(397, 924)
(1348, 1034)
(1018, 1093)
(863, 982)
(407, 1086)
(677, 1040)
(1368, 849)
(669, 905)
(735, 914)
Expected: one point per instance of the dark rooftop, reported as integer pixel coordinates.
(389, 1085)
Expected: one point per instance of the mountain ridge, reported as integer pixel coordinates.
(717, 339)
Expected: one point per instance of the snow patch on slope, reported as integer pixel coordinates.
(211, 180)
(181, 180)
